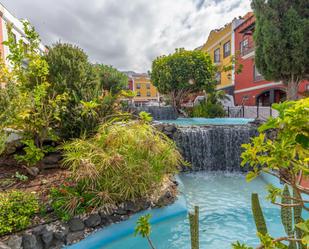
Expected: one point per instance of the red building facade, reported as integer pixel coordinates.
(250, 86)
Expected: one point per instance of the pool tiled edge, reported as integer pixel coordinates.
(116, 231)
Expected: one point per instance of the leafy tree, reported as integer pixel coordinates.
(70, 72)
(181, 73)
(281, 38)
(286, 158)
(111, 79)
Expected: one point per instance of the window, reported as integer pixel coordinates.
(138, 94)
(256, 74)
(148, 85)
(217, 55)
(148, 94)
(138, 85)
(244, 45)
(218, 77)
(227, 49)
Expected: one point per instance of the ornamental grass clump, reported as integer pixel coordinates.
(126, 160)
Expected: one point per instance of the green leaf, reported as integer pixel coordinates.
(305, 240)
(251, 175)
(303, 140)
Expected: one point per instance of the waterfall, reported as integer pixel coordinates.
(159, 113)
(214, 147)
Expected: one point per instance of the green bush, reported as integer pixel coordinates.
(70, 200)
(124, 161)
(71, 72)
(208, 110)
(16, 210)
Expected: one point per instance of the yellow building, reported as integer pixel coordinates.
(220, 45)
(144, 90)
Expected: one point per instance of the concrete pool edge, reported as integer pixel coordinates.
(119, 230)
(185, 122)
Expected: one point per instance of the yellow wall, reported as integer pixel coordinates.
(143, 80)
(216, 39)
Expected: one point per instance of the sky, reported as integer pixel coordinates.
(128, 34)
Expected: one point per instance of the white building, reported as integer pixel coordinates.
(6, 17)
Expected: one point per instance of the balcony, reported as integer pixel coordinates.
(247, 50)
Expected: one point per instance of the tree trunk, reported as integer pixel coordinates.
(292, 89)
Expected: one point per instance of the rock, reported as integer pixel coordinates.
(47, 238)
(51, 161)
(52, 158)
(39, 230)
(34, 171)
(15, 242)
(115, 218)
(74, 237)
(159, 127)
(76, 224)
(170, 128)
(165, 199)
(121, 210)
(29, 241)
(93, 220)
(13, 146)
(105, 220)
(130, 206)
(56, 246)
(61, 233)
(144, 204)
(4, 246)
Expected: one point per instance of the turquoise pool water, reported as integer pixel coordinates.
(208, 121)
(225, 214)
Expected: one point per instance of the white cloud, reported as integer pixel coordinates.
(128, 34)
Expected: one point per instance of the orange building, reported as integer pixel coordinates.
(145, 92)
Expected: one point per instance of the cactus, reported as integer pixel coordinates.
(286, 212)
(298, 219)
(194, 228)
(258, 214)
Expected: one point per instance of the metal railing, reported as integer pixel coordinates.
(259, 112)
(247, 49)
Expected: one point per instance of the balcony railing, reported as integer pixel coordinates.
(247, 49)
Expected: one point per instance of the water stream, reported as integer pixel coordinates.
(214, 147)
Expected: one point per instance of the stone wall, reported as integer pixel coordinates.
(57, 234)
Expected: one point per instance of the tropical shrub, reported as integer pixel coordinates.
(286, 158)
(70, 199)
(125, 160)
(86, 86)
(208, 110)
(211, 107)
(27, 107)
(16, 210)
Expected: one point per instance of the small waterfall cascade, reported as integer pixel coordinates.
(214, 147)
(159, 112)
